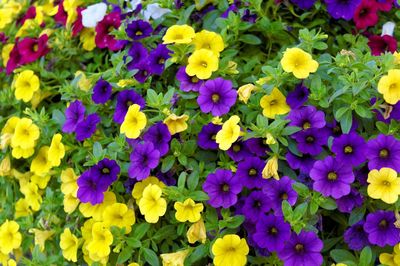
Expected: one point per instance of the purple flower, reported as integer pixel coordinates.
(86, 128)
(380, 228)
(143, 158)
(279, 190)
(258, 146)
(355, 236)
(159, 135)
(310, 141)
(344, 9)
(186, 82)
(306, 117)
(249, 171)
(157, 59)
(271, 233)
(349, 148)
(101, 91)
(349, 202)
(304, 4)
(303, 249)
(332, 178)
(206, 137)
(125, 99)
(144, 71)
(255, 206)
(238, 151)
(137, 53)
(388, 113)
(74, 114)
(383, 151)
(298, 96)
(138, 29)
(248, 16)
(222, 187)
(91, 188)
(107, 170)
(304, 163)
(216, 96)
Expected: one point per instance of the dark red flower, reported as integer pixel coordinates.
(29, 14)
(3, 37)
(103, 37)
(77, 26)
(32, 49)
(61, 16)
(384, 5)
(15, 59)
(381, 44)
(366, 14)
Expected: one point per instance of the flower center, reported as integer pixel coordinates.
(299, 247)
(145, 72)
(273, 102)
(306, 125)
(284, 196)
(257, 204)
(236, 148)
(110, 29)
(178, 36)
(386, 183)
(139, 33)
(161, 61)
(310, 139)
(35, 48)
(204, 64)
(206, 46)
(195, 79)
(273, 231)
(384, 153)
(348, 149)
(129, 103)
(393, 86)
(383, 224)
(105, 170)
(332, 176)
(252, 172)
(225, 187)
(214, 137)
(215, 97)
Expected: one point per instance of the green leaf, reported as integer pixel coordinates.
(287, 131)
(133, 243)
(250, 39)
(97, 150)
(182, 180)
(328, 204)
(140, 230)
(59, 117)
(365, 256)
(167, 163)
(356, 215)
(301, 189)
(124, 255)
(340, 255)
(299, 211)
(198, 196)
(151, 257)
(287, 210)
(346, 121)
(193, 180)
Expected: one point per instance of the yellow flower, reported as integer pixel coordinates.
(68, 179)
(5, 53)
(70, 7)
(122, 83)
(22, 208)
(202, 63)
(174, 259)
(197, 232)
(5, 18)
(230, 250)
(389, 86)
(216, 120)
(208, 40)
(87, 38)
(56, 150)
(26, 83)
(101, 240)
(70, 203)
(245, 91)
(264, 80)
(39, 96)
(396, 56)
(339, 264)
(274, 104)
(31, 193)
(179, 34)
(133, 264)
(28, 26)
(11, 262)
(10, 237)
(271, 168)
(40, 164)
(299, 62)
(83, 83)
(384, 184)
(69, 245)
(25, 134)
(5, 166)
(40, 181)
(232, 68)
(96, 211)
(152, 205)
(387, 259)
(19, 152)
(229, 133)
(176, 123)
(137, 191)
(41, 236)
(270, 139)
(118, 214)
(134, 122)
(188, 211)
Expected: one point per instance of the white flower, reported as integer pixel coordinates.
(93, 14)
(154, 11)
(388, 28)
(135, 3)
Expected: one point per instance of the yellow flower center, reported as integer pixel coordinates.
(273, 102)
(225, 187)
(310, 139)
(393, 86)
(273, 231)
(214, 137)
(161, 61)
(204, 64)
(348, 149)
(332, 176)
(306, 125)
(138, 33)
(236, 148)
(384, 153)
(35, 48)
(383, 224)
(215, 97)
(386, 183)
(178, 36)
(252, 172)
(206, 46)
(284, 196)
(299, 247)
(105, 170)
(195, 79)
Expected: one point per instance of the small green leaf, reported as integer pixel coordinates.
(250, 39)
(124, 255)
(151, 257)
(365, 256)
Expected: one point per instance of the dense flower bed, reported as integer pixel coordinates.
(194, 133)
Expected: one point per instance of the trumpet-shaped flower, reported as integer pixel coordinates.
(298, 62)
(25, 135)
(56, 150)
(26, 84)
(274, 104)
(230, 250)
(69, 245)
(10, 237)
(40, 164)
(118, 214)
(229, 133)
(389, 86)
(188, 211)
(208, 40)
(174, 259)
(101, 240)
(179, 34)
(152, 205)
(176, 124)
(202, 63)
(134, 122)
(197, 232)
(384, 184)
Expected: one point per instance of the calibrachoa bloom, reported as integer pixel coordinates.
(255, 206)
(101, 91)
(152, 205)
(384, 184)
(389, 86)
(208, 40)
(188, 83)
(206, 138)
(230, 250)
(366, 14)
(86, 128)
(91, 187)
(157, 59)
(229, 133)
(103, 37)
(177, 258)
(279, 190)
(134, 122)
(381, 44)
(188, 211)
(349, 148)
(381, 229)
(332, 178)
(125, 99)
(159, 135)
(250, 172)
(298, 96)
(342, 8)
(355, 236)
(298, 62)
(179, 34)
(274, 104)
(144, 158)
(69, 245)
(222, 187)
(202, 63)
(74, 114)
(383, 151)
(10, 237)
(216, 96)
(306, 117)
(272, 232)
(310, 141)
(138, 29)
(26, 84)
